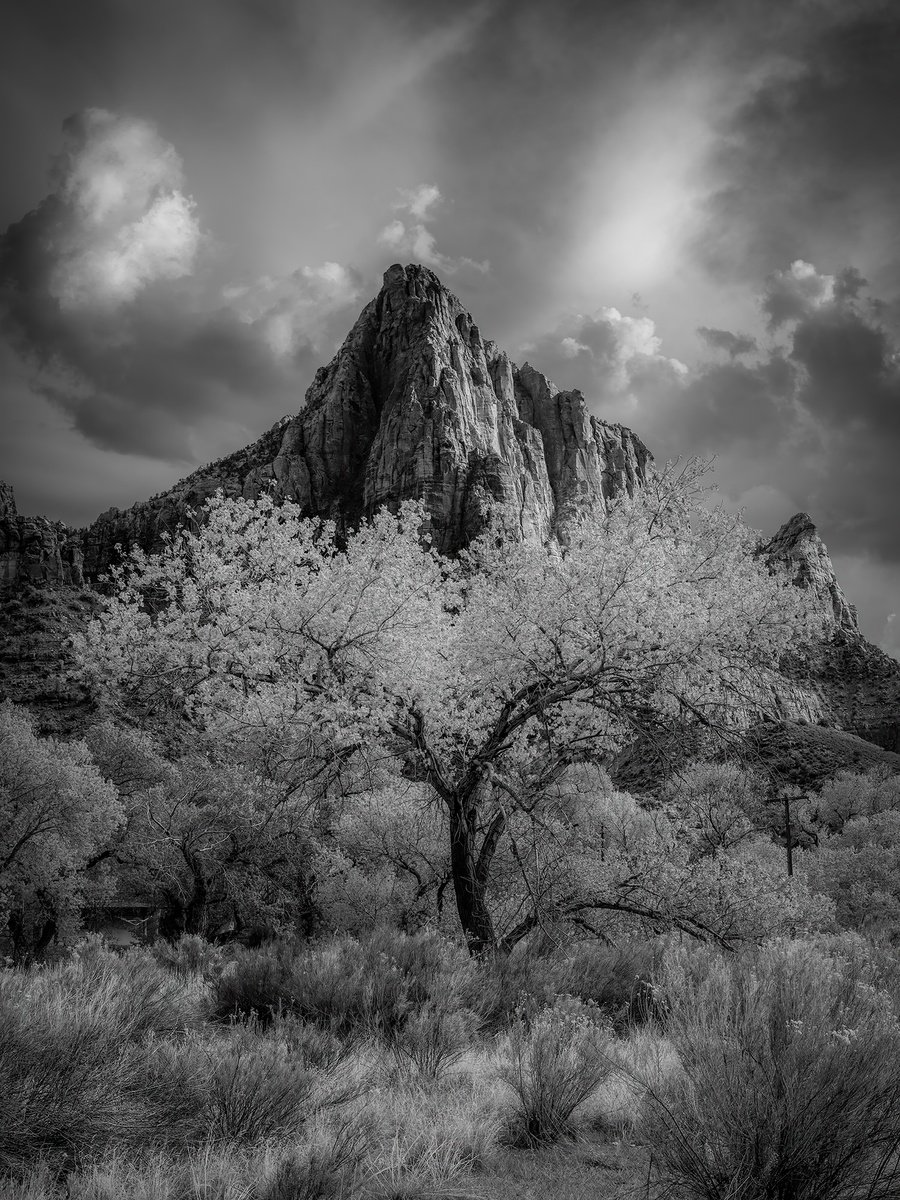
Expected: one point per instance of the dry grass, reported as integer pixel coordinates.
(643, 1058)
(140, 1097)
(584, 1170)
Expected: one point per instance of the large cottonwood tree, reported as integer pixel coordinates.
(486, 677)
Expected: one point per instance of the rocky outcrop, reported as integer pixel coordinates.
(8, 510)
(798, 545)
(861, 686)
(415, 405)
(844, 682)
(35, 550)
(144, 524)
(37, 663)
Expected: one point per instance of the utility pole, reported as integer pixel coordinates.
(787, 832)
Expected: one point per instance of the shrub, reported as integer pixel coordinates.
(434, 1137)
(174, 1089)
(618, 979)
(190, 955)
(344, 986)
(431, 1040)
(348, 988)
(375, 985)
(255, 1089)
(79, 1064)
(553, 1063)
(320, 1166)
(254, 983)
(502, 985)
(212, 1172)
(136, 995)
(428, 961)
(317, 1048)
(67, 1081)
(790, 1080)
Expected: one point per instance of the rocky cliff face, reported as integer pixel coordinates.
(415, 405)
(846, 682)
(798, 545)
(35, 550)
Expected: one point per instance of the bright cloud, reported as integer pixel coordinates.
(127, 221)
(787, 419)
(411, 238)
(174, 373)
(417, 201)
(793, 293)
(615, 356)
(295, 312)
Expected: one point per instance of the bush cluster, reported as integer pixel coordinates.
(395, 1066)
(790, 1079)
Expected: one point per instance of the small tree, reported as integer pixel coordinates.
(56, 816)
(607, 863)
(216, 844)
(852, 794)
(720, 803)
(859, 868)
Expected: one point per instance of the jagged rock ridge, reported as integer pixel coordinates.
(35, 550)
(797, 544)
(415, 404)
(847, 682)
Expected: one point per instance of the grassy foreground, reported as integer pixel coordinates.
(397, 1068)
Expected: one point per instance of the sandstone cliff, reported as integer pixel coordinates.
(798, 545)
(35, 550)
(415, 404)
(845, 682)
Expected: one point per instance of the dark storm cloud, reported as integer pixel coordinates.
(99, 293)
(808, 161)
(852, 376)
(734, 344)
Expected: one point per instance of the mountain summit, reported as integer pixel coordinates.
(797, 544)
(414, 405)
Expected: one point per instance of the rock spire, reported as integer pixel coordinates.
(797, 543)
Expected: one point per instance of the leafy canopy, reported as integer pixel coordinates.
(486, 678)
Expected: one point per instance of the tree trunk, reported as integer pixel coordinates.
(16, 927)
(471, 903)
(29, 938)
(196, 913)
(45, 937)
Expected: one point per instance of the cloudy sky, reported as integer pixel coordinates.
(687, 208)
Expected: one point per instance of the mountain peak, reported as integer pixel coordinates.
(414, 277)
(797, 543)
(414, 405)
